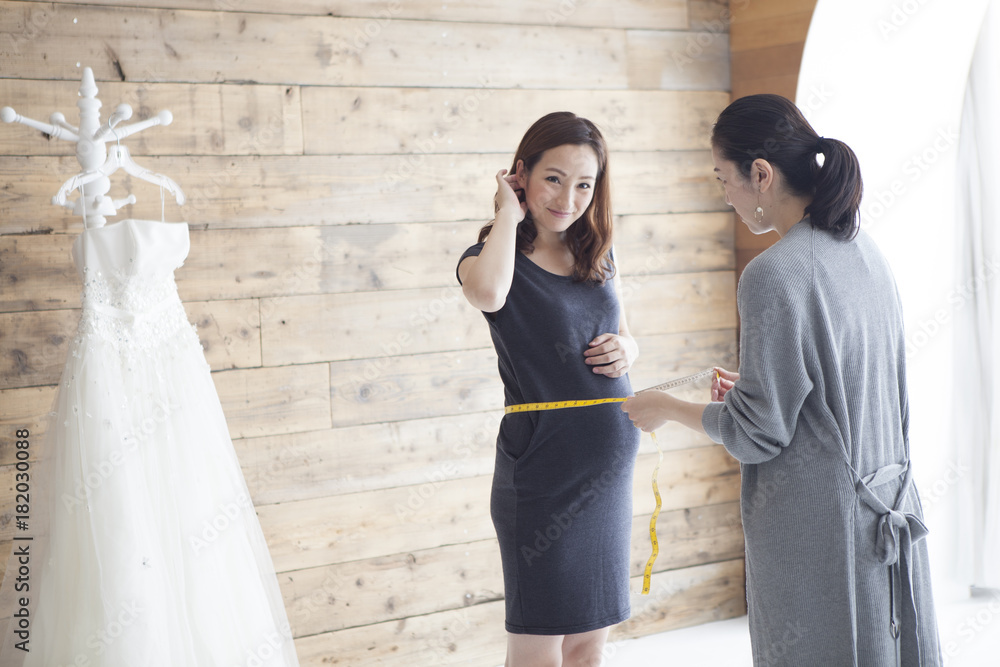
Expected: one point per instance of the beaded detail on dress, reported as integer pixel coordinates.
(131, 312)
(129, 298)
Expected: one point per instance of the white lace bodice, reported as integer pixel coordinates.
(129, 294)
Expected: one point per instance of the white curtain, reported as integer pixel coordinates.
(976, 299)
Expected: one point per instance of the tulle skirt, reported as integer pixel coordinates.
(143, 547)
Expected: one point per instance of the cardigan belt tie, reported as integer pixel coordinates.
(896, 533)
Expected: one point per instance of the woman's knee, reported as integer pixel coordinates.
(585, 649)
(583, 655)
(534, 650)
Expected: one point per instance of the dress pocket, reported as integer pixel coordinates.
(516, 433)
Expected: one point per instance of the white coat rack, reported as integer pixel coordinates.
(96, 162)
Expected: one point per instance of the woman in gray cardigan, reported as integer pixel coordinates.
(837, 570)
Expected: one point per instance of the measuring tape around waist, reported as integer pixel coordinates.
(670, 384)
(559, 405)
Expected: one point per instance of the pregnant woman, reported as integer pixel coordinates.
(544, 276)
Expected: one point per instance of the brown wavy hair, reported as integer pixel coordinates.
(589, 237)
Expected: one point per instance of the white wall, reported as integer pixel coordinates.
(888, 77)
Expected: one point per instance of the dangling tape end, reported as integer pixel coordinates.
(648, 573)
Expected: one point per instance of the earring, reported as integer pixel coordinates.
(758, 214)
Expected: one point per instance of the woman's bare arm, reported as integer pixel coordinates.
(486, 279)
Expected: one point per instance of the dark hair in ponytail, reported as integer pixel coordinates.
(772, 127)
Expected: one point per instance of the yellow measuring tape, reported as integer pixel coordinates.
(670, 384)
(558, 405)
(648, 573)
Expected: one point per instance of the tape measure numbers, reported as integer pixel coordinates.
(670, 384)
(647, 574)
(558, 405)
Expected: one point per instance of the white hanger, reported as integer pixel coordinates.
(118, 158)
(97, 161)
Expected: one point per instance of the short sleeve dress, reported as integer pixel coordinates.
(562, 485)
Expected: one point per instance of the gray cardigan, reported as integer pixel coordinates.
(837, 570)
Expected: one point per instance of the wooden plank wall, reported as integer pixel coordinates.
(766, 42)
(338, 156)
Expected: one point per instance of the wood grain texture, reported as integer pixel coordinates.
(24, 408)
(388, 438)
(8, 508)
(768, 31)
(710, 14)
(474, 635)
(225, 328)
(375, 590)
(317, 464)
(268, 401)
(334, 259)
(766, 41)
(367, 524)
(38, 272)
(691, 596)
(678, 243)
(211, 119)
(748, 11)
(679, 303)
(331, 190)
(480, 120)
(471, 636)
(307, 329)
(782, 60)
(140, 45)
(363, 592)
(688, 478)
(689, 537)
(678, 61)
(34, 347)
(664, 357)
(781, 84)
(335, 327)
(661, 15)
(386, 389)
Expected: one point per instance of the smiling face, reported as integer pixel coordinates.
(560, 187)
(739, 191)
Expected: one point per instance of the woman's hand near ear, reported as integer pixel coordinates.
(486, 278)
(506, 200)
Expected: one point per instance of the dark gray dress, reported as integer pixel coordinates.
(562, 484)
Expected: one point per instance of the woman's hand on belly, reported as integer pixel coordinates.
(611, 354)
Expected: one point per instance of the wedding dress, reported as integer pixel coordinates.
(152, 554)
